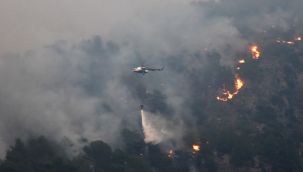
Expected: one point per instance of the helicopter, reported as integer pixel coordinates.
(146, 69)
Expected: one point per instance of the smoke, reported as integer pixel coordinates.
(45, 93)
(57, 78)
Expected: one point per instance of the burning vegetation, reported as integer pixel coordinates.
(196, 147)
(255, 52)
(227, 94)
(241, 61)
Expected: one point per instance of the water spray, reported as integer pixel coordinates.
(151, 135)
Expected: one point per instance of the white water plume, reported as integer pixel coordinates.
(154, 128)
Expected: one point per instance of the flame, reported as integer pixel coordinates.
(196, 147)
(228, 95)
(239, 83)
(255, 52)
(241, 61)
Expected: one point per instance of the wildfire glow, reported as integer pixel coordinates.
(228, 95)
(242, 61)
(239, 83)
(255, 52)
(196, 147)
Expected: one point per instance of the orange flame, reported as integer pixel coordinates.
(227, 95)
(239, 83)
(196, 147)
(255, 52)
(241, 61)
